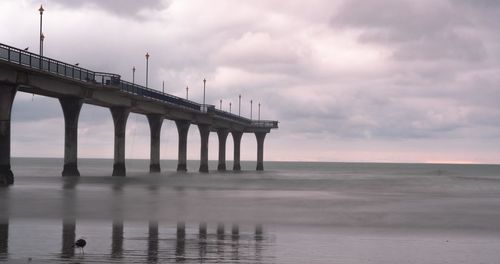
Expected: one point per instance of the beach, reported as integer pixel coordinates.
(294, 212)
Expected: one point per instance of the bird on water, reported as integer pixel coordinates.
(80, 243)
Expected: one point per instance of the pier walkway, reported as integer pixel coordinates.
(24, 71)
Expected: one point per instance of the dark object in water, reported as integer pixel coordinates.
(80, 243)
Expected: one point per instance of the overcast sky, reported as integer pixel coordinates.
(353, 80)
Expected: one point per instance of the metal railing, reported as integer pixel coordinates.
(44, 64)
(35, 61)
(157, 95)
(264, 123)
(230, 116)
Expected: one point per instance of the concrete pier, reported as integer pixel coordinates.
(182, 129)
(120, 116)
(71, 107)
(204, 134)
(155, 122)
(260, 150)
(7, 94)
(222, 135)
(237, 142)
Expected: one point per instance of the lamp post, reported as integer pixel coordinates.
(133, 75)
(239, 105)
(41, 35)
(229, 107)
(147, 68)
(187, 92)
(251, 104)
(204, 83)
(259, 111)
(220, 107)
(163, 87)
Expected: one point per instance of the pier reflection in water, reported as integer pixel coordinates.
(187, 243)
(4, 240)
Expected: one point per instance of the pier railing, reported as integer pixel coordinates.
(157, 95)
(264, 123)
(230, 116)
(74, 72)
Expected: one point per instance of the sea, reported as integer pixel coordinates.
(293, 212)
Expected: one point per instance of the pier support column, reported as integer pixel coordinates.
(204, 134)
(7, 94)
(260, 150)
(120, 116)
(71, 107)
(155, 122)
(222, 134)
(237, 142)
(182, 129)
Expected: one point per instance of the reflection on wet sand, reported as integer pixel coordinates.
(117, 239)
(4, 239)
(68, 238)
(200, 246)
(180, 245)
(153, 241)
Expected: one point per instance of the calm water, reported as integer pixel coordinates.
(291, 213)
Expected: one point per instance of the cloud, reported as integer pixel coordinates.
(400, 75)
(130, 8)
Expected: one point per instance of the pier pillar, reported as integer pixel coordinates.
(71, 107)
(155, 122)
(222, 134)
(204, 134)
(260, 150)
(120, 116)
(182, 129)
(237, 142)
(7, 94)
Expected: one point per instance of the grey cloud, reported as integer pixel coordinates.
(119, 7)
(416, 30)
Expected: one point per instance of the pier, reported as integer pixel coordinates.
(23, 71)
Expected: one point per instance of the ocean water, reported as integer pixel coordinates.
(294, 212)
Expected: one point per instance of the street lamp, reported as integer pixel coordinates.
(259, 111)
(147, 68)
(163, 87)
(251, 104)
(204, 83)
(187, 92)
(239, 105)
(220, 104)
(133, 75)
(229, 107)
(41, 35)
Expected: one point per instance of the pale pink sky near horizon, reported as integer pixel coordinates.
(349, 80)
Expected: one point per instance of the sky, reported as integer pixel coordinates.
(348, 80)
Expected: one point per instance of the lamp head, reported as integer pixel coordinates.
(41, 9)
